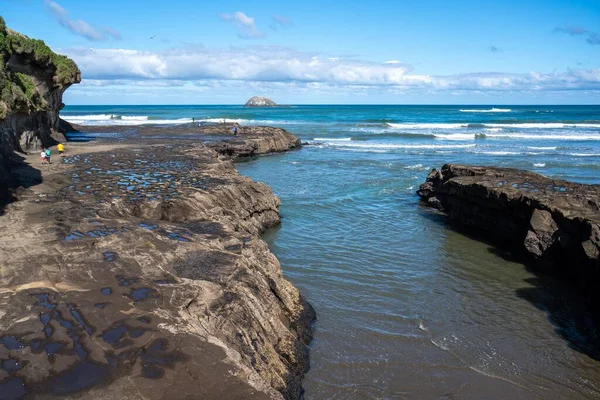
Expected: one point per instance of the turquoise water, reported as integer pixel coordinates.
(407, 307)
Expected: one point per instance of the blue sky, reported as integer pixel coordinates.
(404, 52)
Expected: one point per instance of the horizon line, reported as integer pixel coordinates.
(340, 104)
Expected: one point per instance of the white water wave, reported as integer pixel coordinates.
(131, 120)
(488, 111)
(243, 121)
(417, 166)
(543, 136)
(456, 136)
(96, 117)
(498, 153)
(539, 165)
(426, 126)
(584, 154)
(459, 125)
(101, 120)
(134, 118)
(390, 146)
(333, 139)
(542, 148)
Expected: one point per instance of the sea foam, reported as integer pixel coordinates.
(391, 146)
(471, 125)
(491, 110)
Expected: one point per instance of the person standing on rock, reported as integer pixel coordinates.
(48, 153)
(61, 149)
(43, 156)
(235, 130)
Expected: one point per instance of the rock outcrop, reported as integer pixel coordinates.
(138, 273)
(555, 223)
(258, 101)
(32, 82)
(252, 141)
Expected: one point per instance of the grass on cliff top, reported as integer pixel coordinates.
(17, 90)
(66, 70)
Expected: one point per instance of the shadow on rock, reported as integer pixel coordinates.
(17, 176)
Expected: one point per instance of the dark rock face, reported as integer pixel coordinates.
(32, 81)
(555, 223)
(258, 101)
(139, 273)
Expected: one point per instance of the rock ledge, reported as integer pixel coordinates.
(555, 223)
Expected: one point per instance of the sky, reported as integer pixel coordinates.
(322, 52)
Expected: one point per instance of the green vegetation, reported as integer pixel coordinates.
(26, 84)
(17, 89)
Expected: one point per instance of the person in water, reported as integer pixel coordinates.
(48, 153)
(61, 149)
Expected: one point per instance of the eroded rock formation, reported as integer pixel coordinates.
(138, 273)
(554, 222)
(32, 82)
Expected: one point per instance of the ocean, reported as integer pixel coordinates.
(408, 307)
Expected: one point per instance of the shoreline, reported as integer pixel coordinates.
(137, 264)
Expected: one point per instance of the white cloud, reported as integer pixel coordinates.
(79, 27)
(246, 26)
(255, 63)
(278, 64)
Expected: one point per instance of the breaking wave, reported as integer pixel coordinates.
(132, 120)
(391, 146)
(518, 125)
(491, 110)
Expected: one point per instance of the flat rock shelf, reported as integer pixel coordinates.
(136, 270)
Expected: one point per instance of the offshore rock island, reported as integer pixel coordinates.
(554, 223)
(258, 101)
(133, 268)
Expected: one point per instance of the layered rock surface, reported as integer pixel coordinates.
(138, 273)
(554, 222)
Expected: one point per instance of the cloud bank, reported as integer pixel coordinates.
(268, 64)
(79, 27)
(592, 38)
(245, 25)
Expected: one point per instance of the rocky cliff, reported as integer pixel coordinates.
(32, 82)
(554, 223)
(258, 101)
